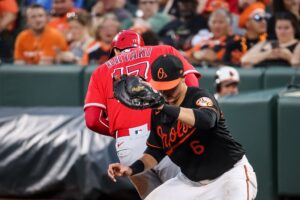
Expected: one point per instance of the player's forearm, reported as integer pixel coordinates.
(145, 163)
(206, 118)
(149, 161)
(185, 115)
(95, 120)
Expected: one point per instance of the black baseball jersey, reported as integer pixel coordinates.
(203, 151)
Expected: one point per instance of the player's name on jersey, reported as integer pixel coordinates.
(130, 56)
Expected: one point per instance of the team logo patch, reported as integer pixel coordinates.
(204, 101)
(161, 74)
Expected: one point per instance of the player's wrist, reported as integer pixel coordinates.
(136, 168)
(171, 110)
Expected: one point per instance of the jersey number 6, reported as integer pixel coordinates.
(197, 147)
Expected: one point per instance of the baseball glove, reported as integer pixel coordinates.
(135, 93)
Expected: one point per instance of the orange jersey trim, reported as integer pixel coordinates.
(154, 146)
(247, 182)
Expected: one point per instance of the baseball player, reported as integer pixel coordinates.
(191, 131)
(131, 128)
(227, 81)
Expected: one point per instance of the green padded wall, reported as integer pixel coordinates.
(40, 86)
(280, 77)
(288, 143)
(251, 79)
(251, 120)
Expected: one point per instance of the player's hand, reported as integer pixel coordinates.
(117, 169)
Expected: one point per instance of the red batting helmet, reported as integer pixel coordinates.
(126, 39)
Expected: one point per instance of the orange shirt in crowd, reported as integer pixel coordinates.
(31, 48)
(61, 23)
(8, 6)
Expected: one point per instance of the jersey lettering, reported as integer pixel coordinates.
(138, 69)
(197, 147)
(175, 137)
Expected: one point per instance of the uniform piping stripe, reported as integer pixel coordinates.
(94, 104)
(102, 122)
(247, 181)
(190, 71)
(151, 145)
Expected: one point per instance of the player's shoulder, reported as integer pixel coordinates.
(101, 70)
(199, 91)
(160, 47)
(196, 93)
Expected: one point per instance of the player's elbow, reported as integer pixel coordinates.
(95, 120)
(205, 119)
(91, 122)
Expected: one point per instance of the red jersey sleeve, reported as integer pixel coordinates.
(95, 95)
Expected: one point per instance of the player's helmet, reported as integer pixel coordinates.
(227, 74)
(126, 39)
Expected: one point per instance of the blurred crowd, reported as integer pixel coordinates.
(209, 33)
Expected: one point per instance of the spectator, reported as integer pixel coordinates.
(117, 8)
(292, 6)
(8, 15)
(253, 19)
(227, 80)
(78, 36)
(150, 38)
(211, 6)
(148, 17)
(99, 50)
(243, 4)
(60, 9)
(279, 52)
(97, 13)
(39, 43)
(179, 32)
(47, 4)
(211, 50)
